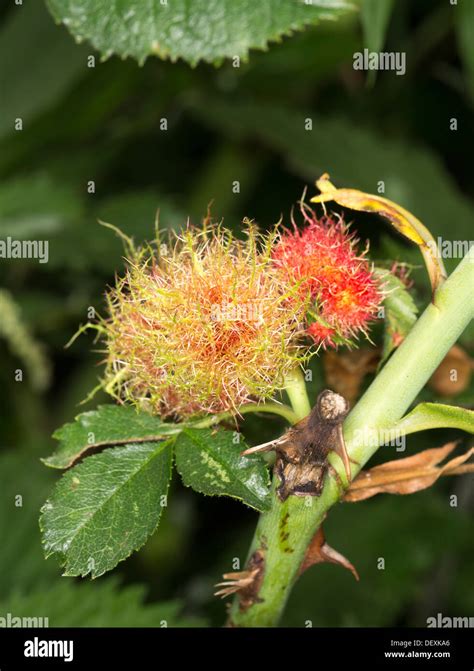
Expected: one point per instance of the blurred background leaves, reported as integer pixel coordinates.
(170, 138)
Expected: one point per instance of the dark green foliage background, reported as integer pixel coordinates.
(224, 124)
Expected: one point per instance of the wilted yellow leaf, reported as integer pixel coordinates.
(402, 220)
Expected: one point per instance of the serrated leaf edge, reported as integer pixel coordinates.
(62, 556)
(232, 496)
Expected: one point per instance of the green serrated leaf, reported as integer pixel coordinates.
(106, 604)
(106, 507)
(436, 416)
(211, 463)
(208, 30)
(108, 425)
(400, 312)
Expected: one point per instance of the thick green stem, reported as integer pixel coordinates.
(285, 532)
(296, 390)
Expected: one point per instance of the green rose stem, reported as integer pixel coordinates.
(296, 390)
(285, 532)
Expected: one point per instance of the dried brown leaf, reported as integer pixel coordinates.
(408, 475)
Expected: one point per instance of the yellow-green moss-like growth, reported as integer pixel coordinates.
(201, 324)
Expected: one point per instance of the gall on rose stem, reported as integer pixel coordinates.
(321, 288)
(175, 345)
